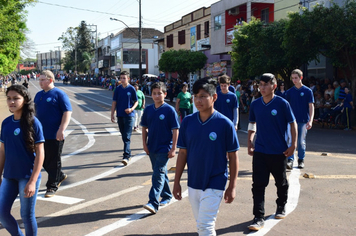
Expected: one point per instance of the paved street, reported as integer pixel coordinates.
(102, 197)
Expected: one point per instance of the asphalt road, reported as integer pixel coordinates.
(102, 197)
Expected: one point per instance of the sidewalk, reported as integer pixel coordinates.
(4, 111)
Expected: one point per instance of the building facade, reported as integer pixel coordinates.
(191, 32)
(50, 61)
(120, 52)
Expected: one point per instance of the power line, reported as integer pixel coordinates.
(82, 9)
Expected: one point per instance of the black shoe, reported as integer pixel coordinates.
(290, 164)
(257, 224)
(50, 193)
(63, 178)
(300, 164)
(280, 212)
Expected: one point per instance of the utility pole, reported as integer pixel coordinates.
(140, 43)
(37, 57)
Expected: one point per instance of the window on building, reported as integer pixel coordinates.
(132, 57)
(265, 15)
(206, 29)
(181, 37)
(170, 41)
(198, 32)
(217, 22)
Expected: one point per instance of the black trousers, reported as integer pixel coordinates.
(263, 165)
(52, 162)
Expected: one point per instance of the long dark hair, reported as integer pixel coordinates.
(27, 116)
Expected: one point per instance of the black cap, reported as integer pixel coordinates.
(266, 77)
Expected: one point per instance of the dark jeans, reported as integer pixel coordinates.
(160, 181)
(263, 165)
(347, 117)
(52, 162)
(183, 113)
(125, 126)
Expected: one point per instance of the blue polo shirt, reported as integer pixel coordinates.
(50, 107)
(226, 103)
(207, 144)
(299, 100)
(125, 98)
(348, 100)
(160, 122)
(19, 161)
(271, 120)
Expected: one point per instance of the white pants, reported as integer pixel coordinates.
(138, 115)
(205, 206)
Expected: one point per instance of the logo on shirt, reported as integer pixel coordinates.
(227, 100)
(128, 94)
(301, 94)
(49, 99)
(161, 117)
(212, 136)
(17, 131)
(274, 112)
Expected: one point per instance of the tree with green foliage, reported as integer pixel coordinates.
(182, 61)
(335, 27)
(259, 48)
(12, 32)
(77, 40)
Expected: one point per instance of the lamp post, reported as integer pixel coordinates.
(59, 57)
(139, 39)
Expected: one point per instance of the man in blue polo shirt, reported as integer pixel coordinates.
(204, 139)
(269, 118)
(301, 99)
(124, 103)
(53, 109)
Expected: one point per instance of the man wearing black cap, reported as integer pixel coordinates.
(269, 118)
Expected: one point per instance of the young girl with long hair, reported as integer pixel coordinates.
(21, 159)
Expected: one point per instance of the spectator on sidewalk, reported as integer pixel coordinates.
(336, 90)
(53, 109)
(348, 107)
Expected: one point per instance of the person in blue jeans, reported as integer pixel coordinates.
(301, 99)
(159, 138)
(21, 159)
(124, 103)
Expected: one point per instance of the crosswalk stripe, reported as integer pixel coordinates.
(59, 199)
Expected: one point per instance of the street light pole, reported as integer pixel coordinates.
(59, 57)
(140, 43)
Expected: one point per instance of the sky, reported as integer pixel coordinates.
(48, 19)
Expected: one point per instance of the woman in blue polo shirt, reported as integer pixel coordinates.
(21, 159)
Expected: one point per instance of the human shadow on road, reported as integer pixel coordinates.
(78, 218)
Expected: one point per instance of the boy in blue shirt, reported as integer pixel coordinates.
(348, 106)
(226, 103)
(270, 116)
(124, 102)
(301, 99)
(204, 139)
(160, 126)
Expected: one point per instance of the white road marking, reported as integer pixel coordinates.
(87, 204)
(113, 131)
(293, 198)
(59, 199)
(105, 103)
(127, 220)
(68, 132)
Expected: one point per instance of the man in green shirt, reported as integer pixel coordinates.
(139, 108)
(184, 102)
